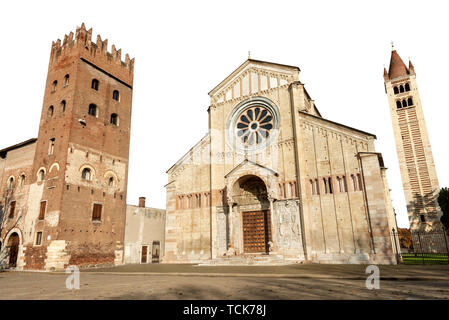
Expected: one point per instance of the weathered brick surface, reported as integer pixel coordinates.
(81, 141)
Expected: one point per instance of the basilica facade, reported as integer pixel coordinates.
(274, 181)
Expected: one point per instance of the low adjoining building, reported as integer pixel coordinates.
(144, 234)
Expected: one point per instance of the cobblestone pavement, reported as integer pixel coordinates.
(231, 282)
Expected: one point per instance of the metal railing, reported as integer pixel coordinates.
(427, 248)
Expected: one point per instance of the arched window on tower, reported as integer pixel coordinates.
(54, 85)
(396, 90)
(50, 112)
(111, 181)
(114, 119)
(401, 88)
(66, 80)
(404, 103)
(410, 101)
(407, 87)
(95, 84)
(398, 104)
(93, 110)
(63, 106)
(86, 174)
(41, 175)
(116, 95)
(21, 180)
(10, 183)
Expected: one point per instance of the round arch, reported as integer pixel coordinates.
(54, 165)
(87, 166)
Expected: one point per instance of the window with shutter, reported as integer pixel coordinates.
(42, 210)
(96, 213)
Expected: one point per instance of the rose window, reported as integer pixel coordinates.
(254, 124)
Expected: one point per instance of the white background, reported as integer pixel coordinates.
(184, 48)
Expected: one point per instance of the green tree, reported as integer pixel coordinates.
(443, 201)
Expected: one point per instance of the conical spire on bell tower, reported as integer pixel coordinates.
(397, 66)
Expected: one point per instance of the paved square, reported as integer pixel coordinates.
(231, 282)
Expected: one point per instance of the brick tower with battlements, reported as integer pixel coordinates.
(70, 204)
(419, 177)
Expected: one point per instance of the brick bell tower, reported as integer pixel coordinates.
(419, 177)
(82, 154)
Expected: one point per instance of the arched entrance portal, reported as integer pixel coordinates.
(13, 246)
(250, 194)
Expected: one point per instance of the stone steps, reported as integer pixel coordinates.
(271, 260)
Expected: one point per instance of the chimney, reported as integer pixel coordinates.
(142, 202)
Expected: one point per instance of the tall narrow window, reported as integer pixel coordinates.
(331, 189)
(39, 238)
(199, 201)
(66, 80)
(114, 119)
(359, 180)
(116, 95)
(326, 190)
(50, 112)
(354, 182)
(312, 187)
(54, 85)
(317, 186)
(345, 184)
(96, 212)
(41, 175)
(398, 104)
(340, 184)
(410, 102)
(93, 110)
(407, 87)
(21, 180)
(396, 90)
(42, 210)
(94, 84)
(12, 209)
(10, 183)
(401, 88)
(63, 106)
(51, 146)
(111, 181)
(86, 174)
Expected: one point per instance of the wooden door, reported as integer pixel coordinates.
(155, 252)
(256, 231)
(144, 254)
(13, 244)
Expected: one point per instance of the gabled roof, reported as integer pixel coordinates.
(339, 124)
(261, 63)
(253, 163)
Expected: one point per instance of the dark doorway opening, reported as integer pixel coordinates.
(155, 252)
(13, 246)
